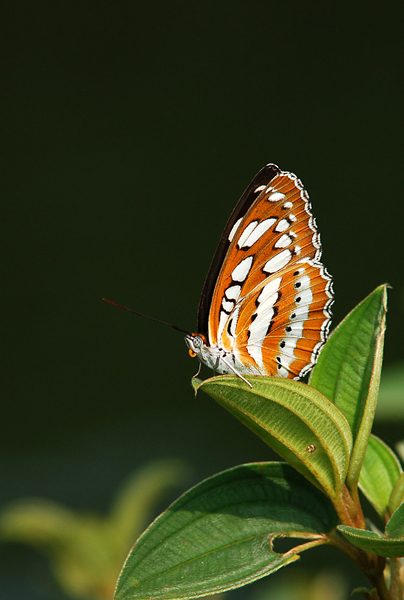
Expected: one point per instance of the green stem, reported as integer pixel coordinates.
(396, 585)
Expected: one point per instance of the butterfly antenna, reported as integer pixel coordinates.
(135, 312)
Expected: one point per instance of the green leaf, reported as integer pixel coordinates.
(218, 535)
(397, 495)
(380, 471)
(348, 371)
(294, 419)
(395, 526)
(372, 542)
(344, 367)
(195, 382)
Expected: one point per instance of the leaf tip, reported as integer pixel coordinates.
(195, 383)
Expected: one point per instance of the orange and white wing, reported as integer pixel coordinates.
(267, 296)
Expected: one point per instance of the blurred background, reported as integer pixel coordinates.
(129, 131)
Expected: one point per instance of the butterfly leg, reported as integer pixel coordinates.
(199, 370)
(235, 371)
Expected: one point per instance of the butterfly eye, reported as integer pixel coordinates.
(197, 341)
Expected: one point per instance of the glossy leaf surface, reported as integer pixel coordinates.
(217, 536)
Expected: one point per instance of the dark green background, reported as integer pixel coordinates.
(128, 132)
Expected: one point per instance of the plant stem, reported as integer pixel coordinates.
(349, 509)
(379, 583)
(319, 541)
(396, 585)
(344, 546)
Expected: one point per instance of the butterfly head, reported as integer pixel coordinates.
(195, 342)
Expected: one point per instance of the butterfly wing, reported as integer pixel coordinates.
(265, 175)
(269, 294)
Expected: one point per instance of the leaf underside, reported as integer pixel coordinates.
(294, 419)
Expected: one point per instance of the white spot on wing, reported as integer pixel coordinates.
(233, 322)
(234, 229)
(301, 313)
(283, 225)
(283, 241)
(277, 262)
(233, 292)
(288, 205)
(282, 368)
(227, 305)
(259, 188)
(269, 289)
(288, 346)
(306, 297)
(249, 229)
(294, 329)
(222, 322)
(262, 319)
(241, 271)
(256, 233)
(276, 196)
(303, 282)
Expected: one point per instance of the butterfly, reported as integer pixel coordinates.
(265, 305)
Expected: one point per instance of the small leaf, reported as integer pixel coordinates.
(372, 542)
(380, 471)
(395, 526)
(348, 371)
(294, 419)
(397, 495)
(195, 382)
(217, 536)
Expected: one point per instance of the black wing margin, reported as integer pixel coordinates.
(263, 177)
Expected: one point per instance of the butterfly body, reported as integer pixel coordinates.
(216, 358)
(265, 305)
